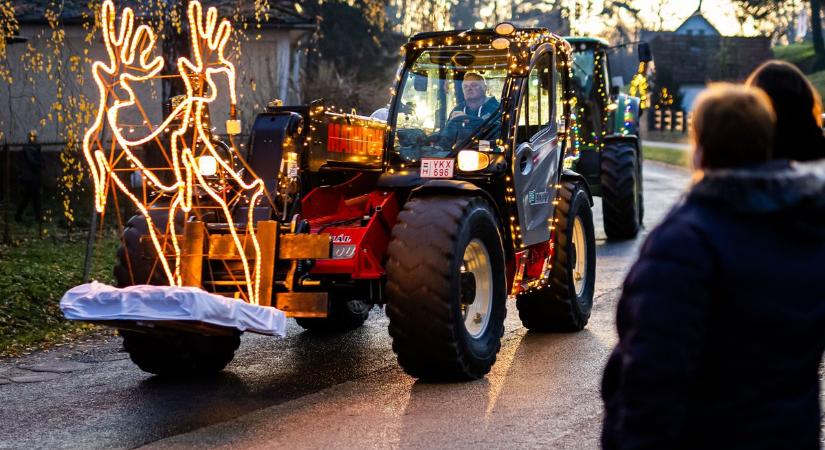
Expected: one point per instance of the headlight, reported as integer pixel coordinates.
(207, 165)
(471, 160)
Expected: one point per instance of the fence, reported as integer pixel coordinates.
(670, 121)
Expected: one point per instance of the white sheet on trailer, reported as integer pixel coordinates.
(98, 301)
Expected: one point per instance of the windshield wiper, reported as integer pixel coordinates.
(482, 129)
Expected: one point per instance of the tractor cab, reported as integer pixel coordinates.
(448, 96)
(590, 84)
(483, 106)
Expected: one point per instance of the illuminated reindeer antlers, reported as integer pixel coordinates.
(122, 44)
(207, 34)
(216, 40)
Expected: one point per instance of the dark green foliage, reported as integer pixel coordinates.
(763, 8)
(353, 57)
(34, 275)
(354, 45)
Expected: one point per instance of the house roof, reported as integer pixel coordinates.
(282, 14)
(696, 16)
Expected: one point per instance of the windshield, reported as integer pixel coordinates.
(447, 96)
(583, 72)
(586, 115)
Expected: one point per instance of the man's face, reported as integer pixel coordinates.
(474, 89)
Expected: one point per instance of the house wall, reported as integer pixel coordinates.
(267, 68)
(695, 60)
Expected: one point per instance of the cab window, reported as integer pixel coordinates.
(536, 108)
(558, 80)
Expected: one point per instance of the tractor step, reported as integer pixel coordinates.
(302, 304)
(304, 246)
(222, 247)
(224, 282)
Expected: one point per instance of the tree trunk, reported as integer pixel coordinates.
(816, 29)
(176, 43)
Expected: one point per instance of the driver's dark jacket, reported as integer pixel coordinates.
(722, 319)
(489, 107)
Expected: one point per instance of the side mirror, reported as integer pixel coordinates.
(645, 54)
(420, 83)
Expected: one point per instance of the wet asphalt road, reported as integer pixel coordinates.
(309, 391)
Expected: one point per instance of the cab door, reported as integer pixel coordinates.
(537, 155)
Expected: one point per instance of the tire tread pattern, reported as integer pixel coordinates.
(340, 319)
(619, 173)
(180, 354)
(173, 354)
(418, 286)
(554, 308)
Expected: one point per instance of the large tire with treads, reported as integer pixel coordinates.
(343, 315)
(167, 353)
(134, 266)
(621, 190)
(180, 354)
(446, 288)
(565, 303)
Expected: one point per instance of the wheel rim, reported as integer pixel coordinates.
(579, 256)
(477, 314)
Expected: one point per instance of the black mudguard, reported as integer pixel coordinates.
(570, 175)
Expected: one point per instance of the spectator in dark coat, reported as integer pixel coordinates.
(722, 318)
(31, 179)
(798, 111)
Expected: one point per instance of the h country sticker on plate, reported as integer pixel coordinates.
(437, 167)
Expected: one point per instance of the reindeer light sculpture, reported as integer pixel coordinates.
(181, 137)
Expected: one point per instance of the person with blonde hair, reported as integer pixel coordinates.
(476, 102)
(721, 320)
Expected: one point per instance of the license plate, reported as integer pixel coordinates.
(437, 167)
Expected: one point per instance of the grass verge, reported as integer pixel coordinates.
(802, 55)
(672, 156)
(35, 272)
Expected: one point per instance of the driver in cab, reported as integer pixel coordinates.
(476, 102)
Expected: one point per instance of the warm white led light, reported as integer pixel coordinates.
(471, 161)
(501, 43)
(207, 165)
(505, 29)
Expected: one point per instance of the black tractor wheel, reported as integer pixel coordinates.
(342, 316)
(172, 354)
(180, 354)
(621, 190)
(446, 288)
(564, 304)
(134, 266)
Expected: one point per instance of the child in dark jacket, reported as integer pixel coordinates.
(722, 318)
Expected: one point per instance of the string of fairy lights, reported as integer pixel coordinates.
(129, 51)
